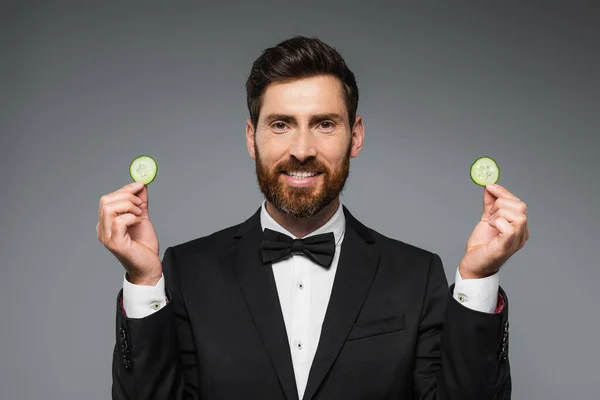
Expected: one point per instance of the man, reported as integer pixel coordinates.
(303, 301)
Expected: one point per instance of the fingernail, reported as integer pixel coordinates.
(491, 186)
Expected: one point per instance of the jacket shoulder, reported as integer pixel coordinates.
(408, 257)
(212, 241)
(384, 243)
(390, 244)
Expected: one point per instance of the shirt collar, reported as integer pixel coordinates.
(336, 224)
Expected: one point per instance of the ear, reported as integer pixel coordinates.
(250, 139)
(358, 136)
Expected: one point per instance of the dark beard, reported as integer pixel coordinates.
(302, 202)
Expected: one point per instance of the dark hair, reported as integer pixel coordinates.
(295, 58)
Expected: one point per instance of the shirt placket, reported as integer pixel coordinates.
(301, 318)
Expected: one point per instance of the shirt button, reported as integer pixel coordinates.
(300, 285)
(155, 305)
(461, 297)
(299, 345)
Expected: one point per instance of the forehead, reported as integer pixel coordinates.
(303, 97)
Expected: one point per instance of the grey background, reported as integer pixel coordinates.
(85, 87)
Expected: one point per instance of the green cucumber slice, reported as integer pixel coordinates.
(485, 170)
(143, 168)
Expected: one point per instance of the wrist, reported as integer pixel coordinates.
(471, 275)
(143, 279)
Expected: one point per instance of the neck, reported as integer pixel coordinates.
(304, 226)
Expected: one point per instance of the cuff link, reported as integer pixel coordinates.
(461, 297)
(155, 305)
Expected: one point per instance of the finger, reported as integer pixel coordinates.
(120, 225)
(121, 207)
(121, 195)
(488, 201)
(517, 220)
(511, 215)
(508, 232)
(500, 191)
(111, 211)
(524, 238)
(132, 187)
(512, 204)
(116, 196)
(143, 196)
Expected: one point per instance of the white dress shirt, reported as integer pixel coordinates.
(304, 289)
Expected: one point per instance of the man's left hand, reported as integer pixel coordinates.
(500, 233)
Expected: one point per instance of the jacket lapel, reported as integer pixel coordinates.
(356, 269)
(260, 291)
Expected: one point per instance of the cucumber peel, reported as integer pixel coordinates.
(143, 169)
(485, 170)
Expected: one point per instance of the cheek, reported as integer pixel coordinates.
(270, 150)
(333, 149)
(334, 161)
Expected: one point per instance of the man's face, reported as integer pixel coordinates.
(303, 143)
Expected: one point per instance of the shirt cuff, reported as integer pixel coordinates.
(477, 294)
(139, 301)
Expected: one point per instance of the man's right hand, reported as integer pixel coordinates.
(124, 228)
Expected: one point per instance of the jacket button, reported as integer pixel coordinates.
(123, 334)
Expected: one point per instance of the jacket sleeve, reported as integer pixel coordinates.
(154, 357)
(461, 354)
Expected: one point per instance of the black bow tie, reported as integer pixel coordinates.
(277, 246)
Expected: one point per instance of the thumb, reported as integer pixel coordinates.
(143, 195)
(488, 201)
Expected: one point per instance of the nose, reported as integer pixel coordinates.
(303, 145)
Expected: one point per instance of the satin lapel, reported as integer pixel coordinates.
(260, 292)
(357, 266)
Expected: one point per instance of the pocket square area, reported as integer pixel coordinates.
(377, 327)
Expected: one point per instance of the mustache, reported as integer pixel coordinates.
(310, 165)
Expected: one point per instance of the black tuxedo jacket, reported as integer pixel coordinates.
(392, 329)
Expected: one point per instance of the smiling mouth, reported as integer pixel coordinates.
(301, 175)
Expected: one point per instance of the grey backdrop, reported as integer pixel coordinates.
(86, 87)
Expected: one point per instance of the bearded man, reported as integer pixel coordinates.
(302, 300)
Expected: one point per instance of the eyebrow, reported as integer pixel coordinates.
(313, 119)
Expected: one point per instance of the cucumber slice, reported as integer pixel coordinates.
(485, 170)
(143, 168)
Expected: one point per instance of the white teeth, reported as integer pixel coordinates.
(301, 174)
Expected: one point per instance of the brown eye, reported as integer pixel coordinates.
(327, 125)
(278, 126)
